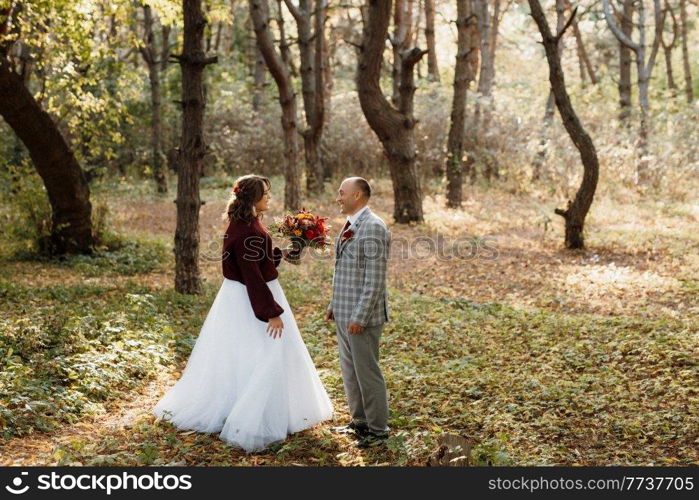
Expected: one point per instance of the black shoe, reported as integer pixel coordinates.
(352, 428)
(372, 438)
(359, 428)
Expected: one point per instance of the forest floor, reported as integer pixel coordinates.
(541, 355)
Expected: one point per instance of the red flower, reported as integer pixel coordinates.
(310, 234)
(236, 189)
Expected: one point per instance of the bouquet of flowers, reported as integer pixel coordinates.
(304, 228)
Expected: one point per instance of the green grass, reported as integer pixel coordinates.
(554, 388)
(66, 350)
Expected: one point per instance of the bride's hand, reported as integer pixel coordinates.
(275, 327)
(292, 255)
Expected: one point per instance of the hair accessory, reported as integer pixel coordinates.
(236, 189)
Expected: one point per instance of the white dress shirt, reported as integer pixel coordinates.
(353, 218)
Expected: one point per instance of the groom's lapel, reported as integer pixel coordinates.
(338, 243)
(355, 228)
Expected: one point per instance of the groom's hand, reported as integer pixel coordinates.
(354, 328)
(330, 316)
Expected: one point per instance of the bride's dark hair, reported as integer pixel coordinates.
(248, 190)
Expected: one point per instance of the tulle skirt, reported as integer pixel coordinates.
(251, 388)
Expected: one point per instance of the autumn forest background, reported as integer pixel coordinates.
(537, 163)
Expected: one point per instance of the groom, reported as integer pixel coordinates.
(360, 310)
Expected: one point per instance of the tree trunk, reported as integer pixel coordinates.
(219, 30)
(644, 67)
(18, 149)
(165, 49)
(583, 58)
(643, 165)
(256, 66)
(625, 63)
(251, 46)
(671, 85)
(430, 40)
(487, 28)
(260, 79)
(472, 123)
(402, 35)
(486, 73)
(284, 48)
(313, 94)
(330, 44)
(318, 122)
(538, 170)
(462, 77)
(311, 52)
(644, 70)
(25, 62)
(668, 69)
(668, 48)
(259, 13)
(685, 53)
(581, 63)
(208, 29)
(192, 149)
(66, 186)
(395, 127)
(417, 29)
(149, 52)
(574, 215)
(549, 111)
(329, 49)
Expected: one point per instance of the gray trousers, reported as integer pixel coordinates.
(364, 383)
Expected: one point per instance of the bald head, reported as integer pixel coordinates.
(354, 193)
(358, 184)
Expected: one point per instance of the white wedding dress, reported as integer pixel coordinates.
(251, 388)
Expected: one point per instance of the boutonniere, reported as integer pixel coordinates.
(347, 235)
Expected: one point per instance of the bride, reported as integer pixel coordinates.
(249, 376)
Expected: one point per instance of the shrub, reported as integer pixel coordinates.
(27, 219)
(58, 366)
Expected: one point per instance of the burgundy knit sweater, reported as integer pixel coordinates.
(249, 258)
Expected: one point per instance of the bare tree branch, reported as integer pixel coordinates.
(353, 44)
(567, 25)
(295, 11)
(675, 28)
(659, 17)
(611, 22)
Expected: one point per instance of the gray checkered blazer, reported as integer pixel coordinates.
(359, 280)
